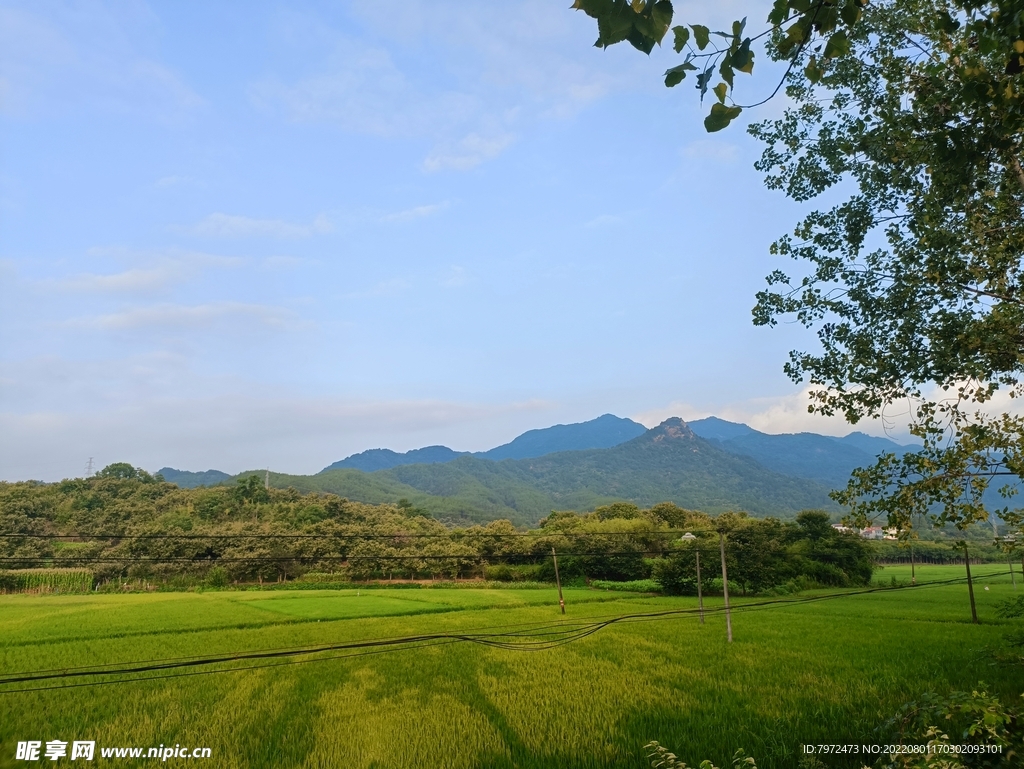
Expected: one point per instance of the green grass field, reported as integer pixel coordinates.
(820, 672)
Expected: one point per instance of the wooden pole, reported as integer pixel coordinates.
(725, 588)
(913, 575)
(558, 581)
(970, 585)
(700, 594)
(1009, 562)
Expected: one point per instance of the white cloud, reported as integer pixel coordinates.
(467, 153)
(456, 277)
(361, 90)
(159, 272)
(54, 58)
(504, 70)
(604, 220)
(417, 212)
(132, 281)
(237, 431)
(220, 225)
(173, 181)
(715, 150)
(390, 287)
(169, 316)
(781, 414)
(282, 262)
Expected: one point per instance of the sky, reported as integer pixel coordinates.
(272, 234)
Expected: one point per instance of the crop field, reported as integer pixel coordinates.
(827, 671)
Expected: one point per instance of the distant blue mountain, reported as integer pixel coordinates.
(190, 480)
(384, 459)
(815, 457)
(715, 429)
(875, 446)
(601, 433)
(819, 458)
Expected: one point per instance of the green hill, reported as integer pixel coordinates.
(667, 463)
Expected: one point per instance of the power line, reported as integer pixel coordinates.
(308, 558)
(454, 536)
(539, 637)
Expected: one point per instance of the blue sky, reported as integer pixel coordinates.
(240, 235)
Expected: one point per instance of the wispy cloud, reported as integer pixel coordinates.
(390, 287)
(714, 150)
(170, 316)
(219, 225)
(604, 220)
(455, 277)
(56, 57)
(775, 415)
(508, 69)
(158, 272)
(173, 181)
(132, 281)
(416, 212)
(235, 431)
(467, 153)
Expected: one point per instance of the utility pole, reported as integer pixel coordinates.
(700, 595)
(725, 588)
(558, 581)
(88, 467)
(970, 585)
(266, 482)
(913, 576)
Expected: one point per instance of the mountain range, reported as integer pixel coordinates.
(710, 464)
(601, 433)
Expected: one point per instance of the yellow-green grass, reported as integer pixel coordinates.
(799, 673)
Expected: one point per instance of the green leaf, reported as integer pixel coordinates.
(702, 82)
(662, 14)
(640, 41)
(738, 27)
(743, 59)
(726, 72)
(780, 10)
(651, 24)
(676, 75)
(720, 117)
(720, 91)
(851, 13)
(700, 35)
(682, 38)
(838, 45)
(795, 37)
(947, 23)
(614, 24)
(813, 71)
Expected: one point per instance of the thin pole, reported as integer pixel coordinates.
(558, 581)
(970, 586)
(700, 595)
(1009, 563)
(725, 588)
(913, 576)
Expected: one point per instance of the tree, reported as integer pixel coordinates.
(914, 282)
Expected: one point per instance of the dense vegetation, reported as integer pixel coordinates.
(125, 522)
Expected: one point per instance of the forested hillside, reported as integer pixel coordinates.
(668, 462)
(124, 523)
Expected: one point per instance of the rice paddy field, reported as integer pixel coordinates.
(813, 672)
